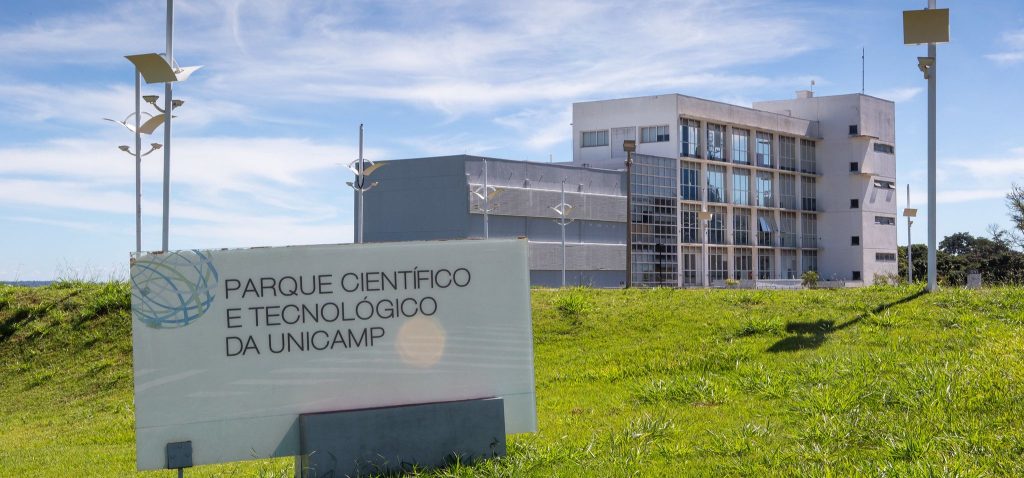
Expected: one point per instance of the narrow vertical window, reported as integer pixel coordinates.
(689, 138)
(764, 149)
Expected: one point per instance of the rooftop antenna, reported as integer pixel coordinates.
(812, 86)
(862, 70)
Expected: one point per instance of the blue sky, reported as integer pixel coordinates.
(286, 84)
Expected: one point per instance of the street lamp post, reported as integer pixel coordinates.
(563, 209)
(910, 213)
(929, 26)
(705, 217)
(485, 193)
(361, 171)
(629, 146)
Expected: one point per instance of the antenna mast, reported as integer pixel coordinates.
(862, 70)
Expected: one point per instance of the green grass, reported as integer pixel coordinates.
(873, 382)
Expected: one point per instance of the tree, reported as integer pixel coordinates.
(1015, 201)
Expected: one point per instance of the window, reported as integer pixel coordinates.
(689, 181)
(716, 183)
(854, 167)
(787, 191)
(854, 240)
(743, 264)
(741, 226)
(808, 158)
(787, 229)
(764, 149)
(809, 225)
(765, 228)
(654, 134)
(690, 262)
(854, 203)
(853, 130)
(885, 184)
(716, 142)
(885, 257)
(808, 194)
(718, 259)
(810, 261)
(741, 187)
(788, 266)
(740, 146)
(764, 190)
(766, 264)
(689, 138)
(884, 148)
(787, 153)
(595, 138)
(856, 275)
(716, 226)
(690, 231)
(885, 221)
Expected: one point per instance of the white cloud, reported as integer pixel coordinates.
(966, 195)
(1014, 43)
(899, 95)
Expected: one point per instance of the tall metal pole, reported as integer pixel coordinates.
(563, 232)
(167, 124)
(629, 219)
(359, 186)
(138, 164)
(910, 244)
(932, 213)
(487, 210)
(707, 279)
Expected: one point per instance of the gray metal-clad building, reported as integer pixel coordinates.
(431, 199)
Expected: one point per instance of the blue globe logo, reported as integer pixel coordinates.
(172, 289)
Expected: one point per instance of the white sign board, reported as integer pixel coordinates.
(230, 346)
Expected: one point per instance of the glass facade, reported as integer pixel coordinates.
(765, 229)
(765, 264)
(689, 180)
(743, 264)
(808, 161)
(716, 142)
(765, 194)
(810, 261)
(716, 226)
(787, 153)
(741, 187)
(808, 194)
(789, 268)
(690, 230)
(764, 149)
(809, 226)
(595, 138)
(740, 146)
(741, 226)
(718, 263)
(689, 138)
(654, 221)
(716, 183)
(691, 266)
(787, 229)
(654, 134)
(787, 191)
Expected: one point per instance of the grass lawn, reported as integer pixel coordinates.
(876, 381)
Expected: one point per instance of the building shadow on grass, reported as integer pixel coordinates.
(810, 335)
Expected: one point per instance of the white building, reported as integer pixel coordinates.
(792, 185)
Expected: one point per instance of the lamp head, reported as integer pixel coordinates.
(704, 216)
(910, 212)
(177, 103)
(123, 147)
(156, 145)
(151, 99)
(629, 145)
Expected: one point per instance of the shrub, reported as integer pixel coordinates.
(810, 279)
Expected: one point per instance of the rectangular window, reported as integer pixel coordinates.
(740, 146)
(689, 138)
(595, 138)
(716, 226)
(764, 149)
(808, 158)
(809, 226)
(788, 267)
(716, 142)
(885, 221)
(853, 130)
(716, 183)
(766, 264)
(854, 167)
(765, 197)
(787, 229)
(808, 194)
(854, 240)
(856, 275)
(743, 264)
(787, 191)
(741, 187)
(689, 181)
(810, 261)
(854, 203)
(741, 226)
(885, 184)
(718, 259)
(885, 257)
(690, 230)
(690, 266)
(787, 153)
(884, 148)
(654, 134)
(765, 228)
